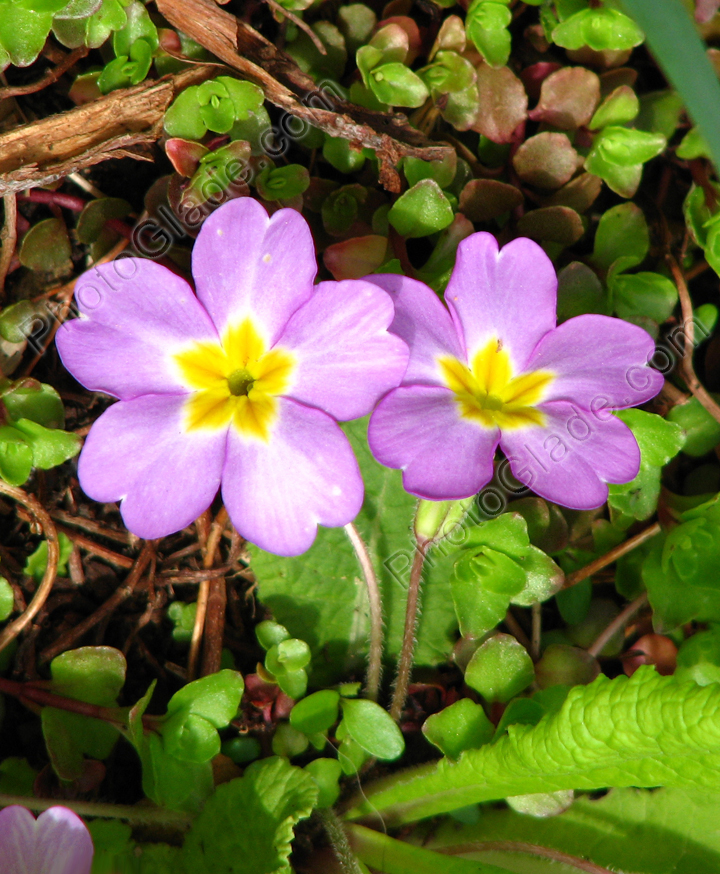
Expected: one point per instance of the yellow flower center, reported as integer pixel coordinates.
(235, 382)
(489, 394)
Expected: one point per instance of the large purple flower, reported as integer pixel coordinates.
(57, 842)
(239, 386)
(493, 368)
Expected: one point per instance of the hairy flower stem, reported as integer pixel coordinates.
(405, 661)
(374, 671)
(338, 840)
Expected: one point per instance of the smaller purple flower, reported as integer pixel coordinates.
(493, 369)
(57, 842)
(238, 386)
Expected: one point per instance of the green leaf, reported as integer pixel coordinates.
(486, 25)
(340, 153)
(500, 668)
(316, 713)
(36, 563)
(372, 728)
(138, 26)
(644, 731)
(322, 599)
(94, 216)
(626, 147)
(171, 782)
(643, 294)
(326, 773)
(50, 446)
(459, 727)
(95, 675)
(599, 28)
(659, 441)
(270, 633)
(7, 599)
(22, 32)
(16, 456)
(701, 430)
(46, 247)
(397, 85)
(666, 831)
(698, 658)
(196, 711)
(580, 291)
(498, 566)
(675, 43)
(282, 183)
(183, 119)
(30, 399)
(246, 826)
(621, 232)
(421, 210)
(617, 108)
(693, 145)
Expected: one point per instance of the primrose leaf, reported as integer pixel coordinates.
(648, 295)
(601, 29)
(500, 668)
(486, 25)
(621, 233)
(171, 782)
(648, 730)
(659, 441)
(421, 210)
(397, 85)
(321, 597)
(666, 831)
(246, 826)
(50, 446)
(36, 563)
(702, 431)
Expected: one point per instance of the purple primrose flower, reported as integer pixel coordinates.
(238, 387)
(57, 842)
(493, 368)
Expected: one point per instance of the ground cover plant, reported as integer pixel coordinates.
(359, 428)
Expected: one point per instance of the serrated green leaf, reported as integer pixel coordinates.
(644, 731)
(269, 799)
(666, 831)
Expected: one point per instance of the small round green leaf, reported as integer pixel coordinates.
(500, 668)
(316, 713)
(372, 728)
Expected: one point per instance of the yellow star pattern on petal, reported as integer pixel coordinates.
(489, 394)
(235, 382)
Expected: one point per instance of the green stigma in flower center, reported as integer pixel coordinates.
(240, 382)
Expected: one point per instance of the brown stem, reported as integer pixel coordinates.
(298, 22)
(620, 621)
(210, 546)
(374, 671)
(8, 238)
(687, 369)
(88, 545)
(33, 694)
(11, 631)
(615, 553)
(47, 78)
(408, 645)
(536, 631)
(66, 640)
(522, 847)
(516, 630)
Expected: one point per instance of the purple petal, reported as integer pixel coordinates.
(246, 263)
(278, 492)
(63, 844)
(443, 456)
(510, 295)
(140, 453)
(58, 842)
(346, 359)
(424, 324)
(134, 315)
(572, 458)
(599, 363)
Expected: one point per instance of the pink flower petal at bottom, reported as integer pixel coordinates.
(138, 452)
(573, 457)
(58, 842)
(278, 492)
(443, 456)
